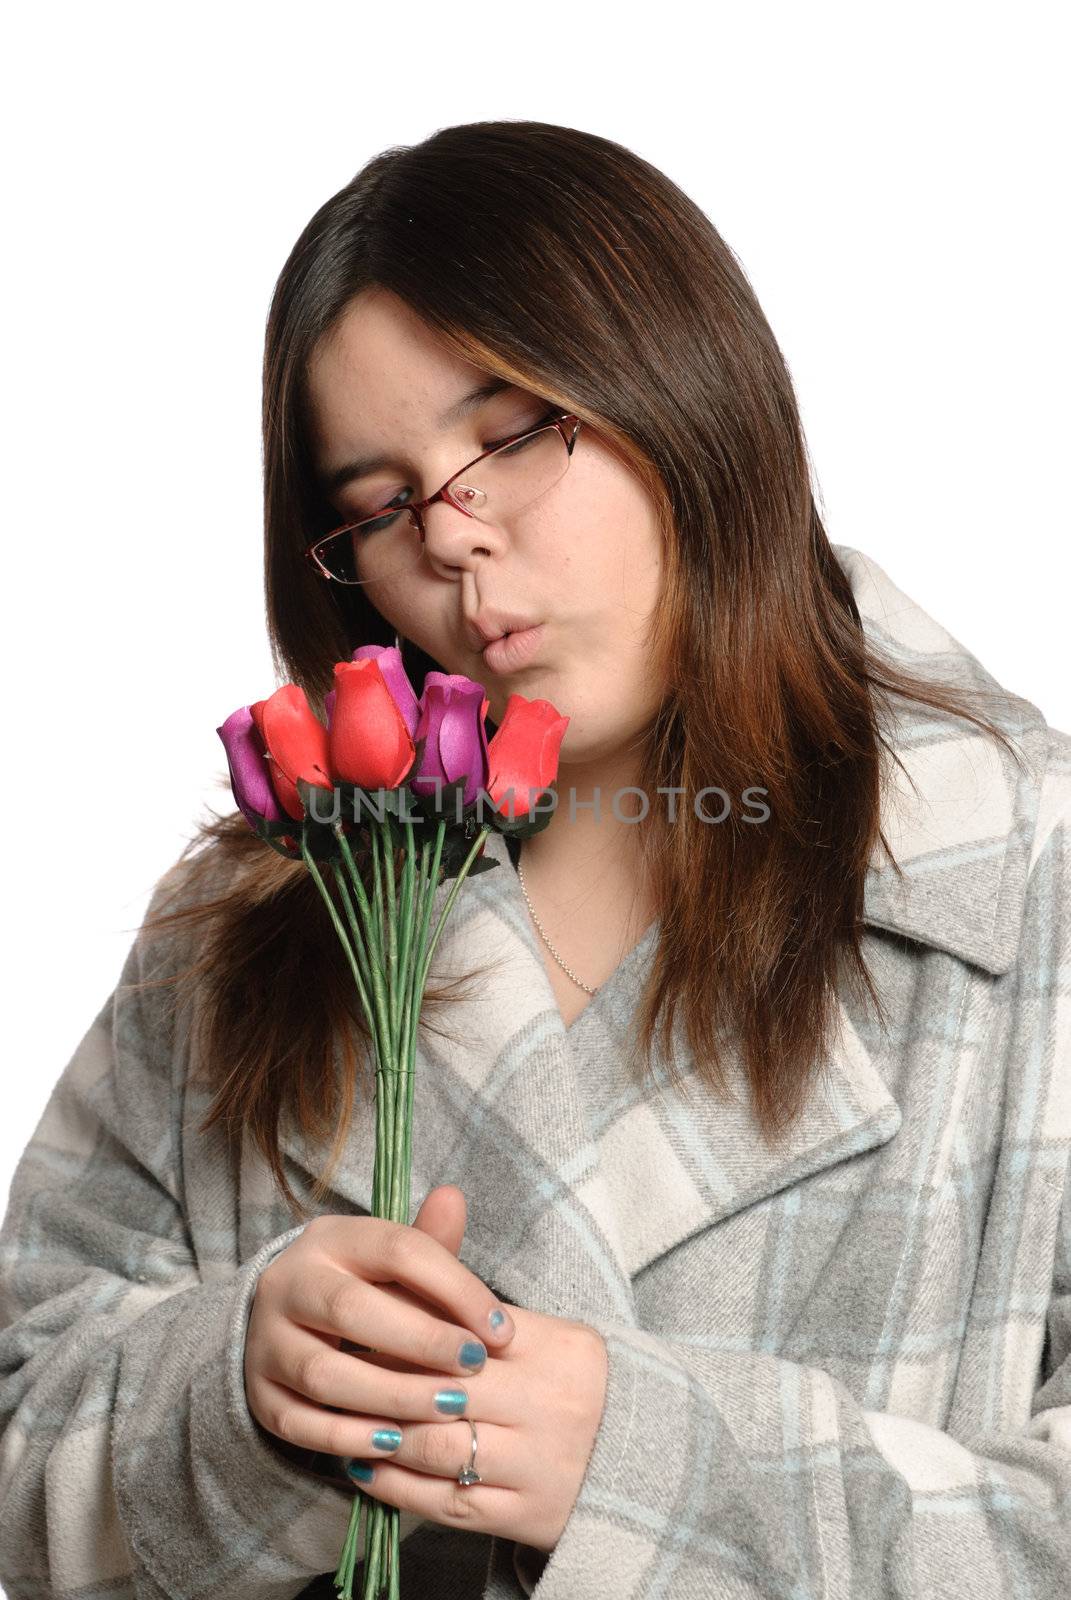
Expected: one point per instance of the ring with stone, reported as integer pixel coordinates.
(468, 1473)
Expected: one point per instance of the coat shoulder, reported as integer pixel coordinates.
(1052, 833)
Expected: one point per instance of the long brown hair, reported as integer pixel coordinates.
(572, 267)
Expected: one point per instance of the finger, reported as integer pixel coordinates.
(383, 1358)
(378, 1358)
(311, 1366)
(337, 1433)
(335, 1303)
(398, 1254)
(441, 1449)
(480, 1507)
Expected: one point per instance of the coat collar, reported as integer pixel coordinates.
(580, 1173)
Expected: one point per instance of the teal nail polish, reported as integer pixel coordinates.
(472, 1354)
(386, 1439)
(496, 1319)
(452, 1401)
(360, 1470)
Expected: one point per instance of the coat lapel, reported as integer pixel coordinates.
(577, 1173)
(576, 1178)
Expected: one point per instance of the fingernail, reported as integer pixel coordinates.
(499, 1319)
(386, 1439)
(452, 1401)
(472, 1354)
(358, 1470)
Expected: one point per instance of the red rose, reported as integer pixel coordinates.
(523, 755)
(369, 742)
(296, 742)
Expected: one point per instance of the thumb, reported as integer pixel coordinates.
(444, 1215)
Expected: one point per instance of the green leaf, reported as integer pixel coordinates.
(418, 758)
(449, 806)
(274, 830)
(321, 805)
(482, 863)
(272, 834)
(522, 827)
(321, 842)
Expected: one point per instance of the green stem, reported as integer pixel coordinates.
(390, 899)
(394, 1560)
(397, 985)
(364, 982)
(429, 886)
(374, 944)
(406, 932)
(477, 846)
(358, 885)
(347, 1561)
(378, 1556)
(379, 1177)
(335, 918)
(401, 1153)
(377, 891)
(382, 1034)
(414, 917)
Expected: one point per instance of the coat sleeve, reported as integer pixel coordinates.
(740, 1474)
(749, 1476)
(130, 1463)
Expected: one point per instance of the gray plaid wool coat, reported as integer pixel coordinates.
(841, 1368)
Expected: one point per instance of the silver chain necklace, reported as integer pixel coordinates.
(585, 986)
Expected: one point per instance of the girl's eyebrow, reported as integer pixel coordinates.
(336, 478)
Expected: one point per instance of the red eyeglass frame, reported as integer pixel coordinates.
(418, 507)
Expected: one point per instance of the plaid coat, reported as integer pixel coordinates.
(837, 1369)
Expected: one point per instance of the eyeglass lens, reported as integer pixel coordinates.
(500, 485)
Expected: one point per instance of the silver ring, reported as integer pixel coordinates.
(468, 1473)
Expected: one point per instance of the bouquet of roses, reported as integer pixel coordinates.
(417, 777)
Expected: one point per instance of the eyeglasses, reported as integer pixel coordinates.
(492, 488)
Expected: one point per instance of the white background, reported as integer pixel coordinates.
(893, 180)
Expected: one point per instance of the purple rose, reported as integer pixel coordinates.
(451, 720)
(248, 763)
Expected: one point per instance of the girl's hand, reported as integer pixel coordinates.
(537, 1403)
(395, 1289)
(537, 1406)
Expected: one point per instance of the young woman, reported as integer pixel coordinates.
(742, 1264)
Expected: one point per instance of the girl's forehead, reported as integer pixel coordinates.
(382, 365)
(379, 336)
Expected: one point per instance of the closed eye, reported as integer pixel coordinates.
(490, 444)
(495, 444)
